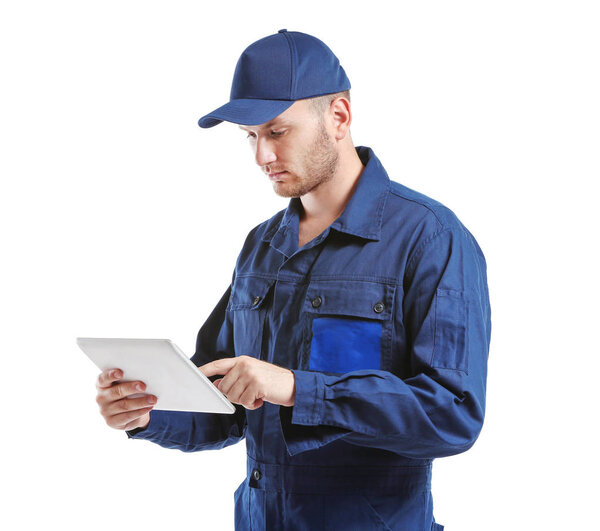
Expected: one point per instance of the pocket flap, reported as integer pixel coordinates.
(366, 299)
(249, 292)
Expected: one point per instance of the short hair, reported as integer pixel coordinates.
(320, 103)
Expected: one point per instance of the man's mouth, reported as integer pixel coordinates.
(276, 175)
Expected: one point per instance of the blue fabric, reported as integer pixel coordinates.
(356, 449)
(340, 344)
(275, 71)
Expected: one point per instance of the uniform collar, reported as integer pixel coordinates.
(363, 213)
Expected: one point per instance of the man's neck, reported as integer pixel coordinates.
(327, 201)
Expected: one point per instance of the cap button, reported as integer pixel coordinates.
(281, 31)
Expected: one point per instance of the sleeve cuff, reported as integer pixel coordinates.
(132, 433)
(308, 404)
(301, 424)
(156, 417)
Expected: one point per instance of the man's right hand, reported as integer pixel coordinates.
(119, 409)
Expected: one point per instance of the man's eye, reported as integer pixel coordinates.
(273, 133)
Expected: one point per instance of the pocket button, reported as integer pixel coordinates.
(379, 307)
(316, 302)
(255, 301)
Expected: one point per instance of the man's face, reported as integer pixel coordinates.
(294, 150)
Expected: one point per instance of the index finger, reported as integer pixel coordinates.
(108, 377)
(222, 366)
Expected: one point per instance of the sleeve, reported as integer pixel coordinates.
(189, 431)
(438, 409)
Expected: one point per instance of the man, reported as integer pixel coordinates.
(354, 335)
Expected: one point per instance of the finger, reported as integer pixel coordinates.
(236, 390)
(107, 377)
(221, 366)
(122, 419)
(125, 389)
(249, 399)
(231, 378)
(256, 404)
(128, 404)
(118, 391)
(217, 382)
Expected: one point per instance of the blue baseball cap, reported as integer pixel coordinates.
(273, 73)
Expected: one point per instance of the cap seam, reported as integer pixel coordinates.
(292, 47)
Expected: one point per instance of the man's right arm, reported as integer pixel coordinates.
(185, 431)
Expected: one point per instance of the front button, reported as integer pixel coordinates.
(316, 302)
(379, 307)
(255, 301)
(256, 474)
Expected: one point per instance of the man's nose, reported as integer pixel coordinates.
(265, 154)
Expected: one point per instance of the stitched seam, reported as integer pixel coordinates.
(383, 468)
(178, 443)
(382, 203)
(367, 235)
(434, 331)
(291, 48)
(257, 275)
(419, 250)
(302, 280)
(357, 278)
(426, 464)
(428, 206)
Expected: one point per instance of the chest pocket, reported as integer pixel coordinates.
(348, 325)
(248, 304)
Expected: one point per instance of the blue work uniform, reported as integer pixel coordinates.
(384, 319)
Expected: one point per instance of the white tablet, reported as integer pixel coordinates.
(167, 372)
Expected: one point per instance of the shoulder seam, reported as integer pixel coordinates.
(419, 250)
(422, 203)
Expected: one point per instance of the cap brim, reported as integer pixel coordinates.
(245, 112)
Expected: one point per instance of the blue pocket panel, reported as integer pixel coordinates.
(341, 344)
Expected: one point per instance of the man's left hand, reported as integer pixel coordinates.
(251, 382)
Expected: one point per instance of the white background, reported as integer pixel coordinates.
(121, 217)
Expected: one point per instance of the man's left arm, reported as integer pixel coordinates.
(439, 410)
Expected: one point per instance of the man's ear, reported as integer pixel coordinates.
(340, 116)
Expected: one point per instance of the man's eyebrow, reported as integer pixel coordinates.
(280, 123)
(268, 125)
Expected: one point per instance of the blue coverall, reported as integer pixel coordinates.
(384, 319)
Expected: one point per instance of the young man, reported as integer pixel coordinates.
(354, 335)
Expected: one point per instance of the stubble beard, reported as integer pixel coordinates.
(321, 160)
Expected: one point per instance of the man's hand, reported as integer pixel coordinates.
(119, 409)
(251, 382)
